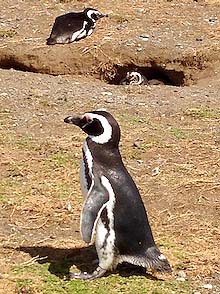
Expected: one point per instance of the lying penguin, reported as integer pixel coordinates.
(113, 212)
(136, 78)
(74, 26)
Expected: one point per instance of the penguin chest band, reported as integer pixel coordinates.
(86, 175)
(79, 34)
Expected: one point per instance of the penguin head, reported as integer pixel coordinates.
(100, 126)
(94, 14)
(134, 78)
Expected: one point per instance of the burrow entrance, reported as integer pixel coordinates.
(170, 77)
(11, 62)
(111, 75)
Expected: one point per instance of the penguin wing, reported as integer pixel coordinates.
(68, 23)
(94, 204)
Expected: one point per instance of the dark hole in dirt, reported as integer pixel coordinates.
(112, 76)
(11, 62)
(167, 76)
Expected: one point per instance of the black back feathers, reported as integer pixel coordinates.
(74, 26)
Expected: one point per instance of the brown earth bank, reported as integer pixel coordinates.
(170, 133)
(178, 40)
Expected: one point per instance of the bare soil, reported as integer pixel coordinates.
(170, 133)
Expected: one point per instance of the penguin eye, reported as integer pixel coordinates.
(94, 16)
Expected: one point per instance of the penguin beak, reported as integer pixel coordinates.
(75, 120)
(103, 15)
(78, 120)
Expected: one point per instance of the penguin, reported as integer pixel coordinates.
(74, 26)
(136, 78)
(113, 213)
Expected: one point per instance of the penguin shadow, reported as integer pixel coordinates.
(84, 259)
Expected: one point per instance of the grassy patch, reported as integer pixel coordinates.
(119, 19)
(203, 112)
(7, 33)
(26, 143)
(40, 279)
(61, 159)
(177, 133)
(24, 285)
(133, 120)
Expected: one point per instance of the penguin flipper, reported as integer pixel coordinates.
(94, 204)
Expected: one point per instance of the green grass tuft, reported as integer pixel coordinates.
(203, 112)
(177, 133)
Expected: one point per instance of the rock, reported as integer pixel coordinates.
(208, 286)
(137, 144)
(144, 37)
(180, 279)
(107, 93)
(181, 274)
(68, 206)
(156, 171)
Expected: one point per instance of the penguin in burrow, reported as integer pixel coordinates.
(136, 78)
(113, 212)
(74, 26)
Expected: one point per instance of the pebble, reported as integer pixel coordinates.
(181, 274)
(107, 93)
(199, 39)
(180, 279)
(68, 206)
(144, 37)
(207, 286)
(137, 144)
(180, 46)
(156, 171)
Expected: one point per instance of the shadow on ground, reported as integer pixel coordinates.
(84, 259)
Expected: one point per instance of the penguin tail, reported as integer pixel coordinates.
(156, 261)
(152, 259)
(51, 41)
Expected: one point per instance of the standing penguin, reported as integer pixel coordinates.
(74, 26)
(113, 210)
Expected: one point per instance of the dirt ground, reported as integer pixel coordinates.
(170, 133)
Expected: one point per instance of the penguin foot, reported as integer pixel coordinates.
(99, 272)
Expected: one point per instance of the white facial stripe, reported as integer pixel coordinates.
(90, 12)
(135, 75)
(79, 33)
(107, 129)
